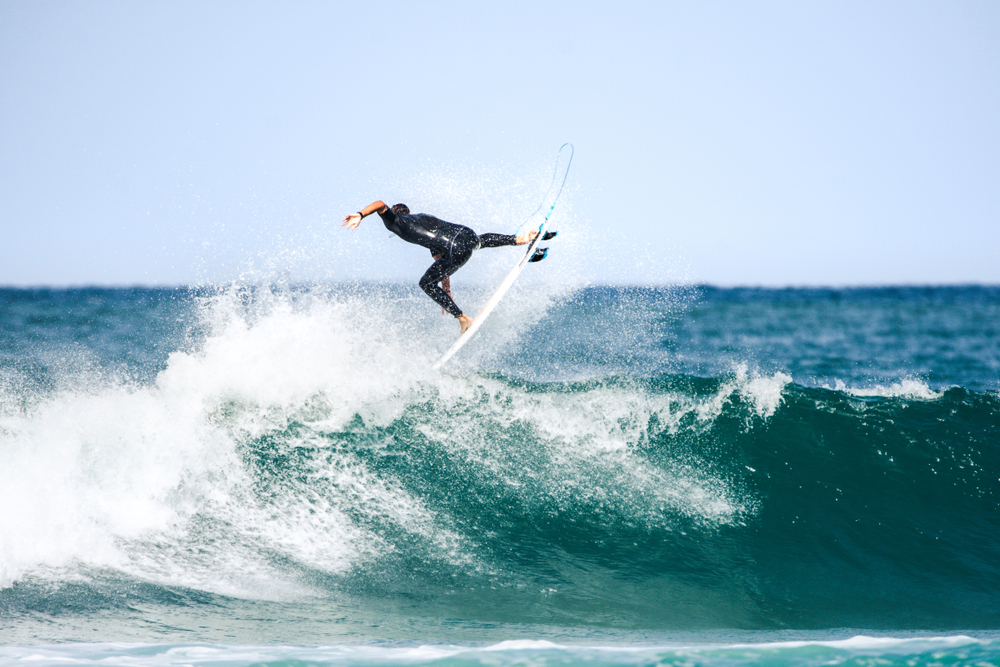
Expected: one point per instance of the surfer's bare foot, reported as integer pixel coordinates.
(465, 321)
(526, 237)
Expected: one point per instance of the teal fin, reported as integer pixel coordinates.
(539, 255)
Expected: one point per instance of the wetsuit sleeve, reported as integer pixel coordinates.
(388, 217)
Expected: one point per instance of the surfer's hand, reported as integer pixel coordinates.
(352, 221)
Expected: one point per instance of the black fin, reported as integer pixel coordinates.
(549, 235)
(539, 255)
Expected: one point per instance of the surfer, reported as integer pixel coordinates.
(451, 247)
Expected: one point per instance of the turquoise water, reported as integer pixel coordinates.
(686, 475)
(857, 651)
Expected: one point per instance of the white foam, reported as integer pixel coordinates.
(514, 652)
(763, 392)
(152, 481)
(906, 388)
(865, 642)
(157, 481)
(81, 473)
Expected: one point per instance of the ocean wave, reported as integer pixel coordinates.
(298, 448)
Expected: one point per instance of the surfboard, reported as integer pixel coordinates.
(538, 220)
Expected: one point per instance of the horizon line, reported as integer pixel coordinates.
(582, 284)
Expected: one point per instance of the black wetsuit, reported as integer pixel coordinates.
(454, 243)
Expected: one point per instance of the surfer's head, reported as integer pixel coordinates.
(401, 209)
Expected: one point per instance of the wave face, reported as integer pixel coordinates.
(270, 463)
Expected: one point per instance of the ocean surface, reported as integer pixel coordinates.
(688, 475)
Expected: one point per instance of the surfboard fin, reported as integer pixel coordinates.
(539, 255)
(549, 235)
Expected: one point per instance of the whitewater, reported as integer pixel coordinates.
(272, 473)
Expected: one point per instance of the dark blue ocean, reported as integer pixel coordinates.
(688, 475)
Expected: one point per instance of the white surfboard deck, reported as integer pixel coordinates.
(563, 161)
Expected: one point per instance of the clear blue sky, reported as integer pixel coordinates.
(767, 143)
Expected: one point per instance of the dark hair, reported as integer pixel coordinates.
(401, 209)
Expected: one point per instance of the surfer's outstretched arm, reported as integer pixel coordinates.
(352, 220)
